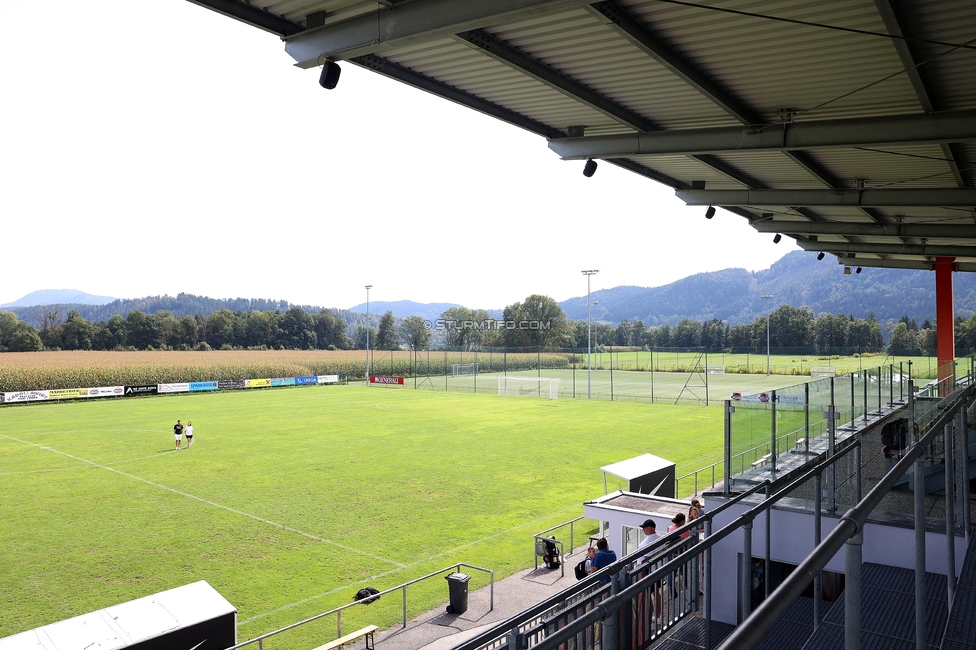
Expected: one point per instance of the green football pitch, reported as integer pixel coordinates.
(292, 499)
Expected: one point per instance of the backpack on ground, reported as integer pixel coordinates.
(580, 570)
(551, 556)
(367, 595)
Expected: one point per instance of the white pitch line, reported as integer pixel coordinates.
(217, 505)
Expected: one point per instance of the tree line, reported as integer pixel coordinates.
(538, 321)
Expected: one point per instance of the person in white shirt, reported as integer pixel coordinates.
(188, 432)
(650, 532)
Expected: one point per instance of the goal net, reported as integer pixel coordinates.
(459, 369)
(715, 369)
(547, 387)
(823, 371)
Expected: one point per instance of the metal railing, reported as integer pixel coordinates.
(679, 597)
(540, 537)
(259, 640)
(624, 614)
(612, 615)
(849, 532)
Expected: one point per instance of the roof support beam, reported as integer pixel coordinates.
(895, 24)
(959, 230)
(956, 126)
(251, 15)
(890, 249)
(641, 36)
(516, 58)
(408, 24)
(871, 198)
(967, 267)
(544, 73)
(423, 82)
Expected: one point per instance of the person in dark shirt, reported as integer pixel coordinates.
(178, 432)
(603, 557)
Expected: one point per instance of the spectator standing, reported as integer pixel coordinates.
(178, 433)
(677, 522)
(189, 434)
(650, 534)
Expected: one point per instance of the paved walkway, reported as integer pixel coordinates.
(438, 630)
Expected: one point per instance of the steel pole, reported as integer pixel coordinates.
(708, 586)
(589, 338)
(768, 308)
(921, 633)
(852, 593)
(729, 410)
(769, 559)
(817, 592)
(949, 525)
(745, 583)
(368, 287)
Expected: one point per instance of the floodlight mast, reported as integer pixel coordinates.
(589, 352)
(767, 297)
(368, 287)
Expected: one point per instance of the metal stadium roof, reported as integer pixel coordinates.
(848, 125)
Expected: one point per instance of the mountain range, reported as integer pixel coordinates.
(798, 279)
(58, 297)
(734, 296)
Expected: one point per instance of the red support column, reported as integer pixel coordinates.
(945, 321)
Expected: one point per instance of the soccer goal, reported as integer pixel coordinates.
(529, 386)
(460, 369)
(715, 368)
(823, 371)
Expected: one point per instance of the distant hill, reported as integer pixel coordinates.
(406, 308)
(183, 304)
(730, 295)
(58, 296)
(798, 279)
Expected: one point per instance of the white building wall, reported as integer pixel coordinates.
(791, 541)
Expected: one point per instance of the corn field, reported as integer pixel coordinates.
(80, 369)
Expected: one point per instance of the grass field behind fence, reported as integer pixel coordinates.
(292, 499)
(82, 369)
(666, 387)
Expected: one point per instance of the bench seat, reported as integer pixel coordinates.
(352, 636)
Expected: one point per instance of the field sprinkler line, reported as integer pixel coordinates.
(214, 504)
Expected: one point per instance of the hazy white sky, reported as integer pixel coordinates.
(153, 146)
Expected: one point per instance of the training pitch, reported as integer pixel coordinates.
(292, 499)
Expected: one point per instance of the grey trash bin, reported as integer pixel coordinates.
(457, 584)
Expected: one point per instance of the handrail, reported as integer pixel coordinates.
(613, 603)
(561, 555)
(338, 610)
(751, 632)
(570, 523)
(583, 585)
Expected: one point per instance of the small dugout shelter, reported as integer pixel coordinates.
(621, 514)
(192, 616)
(645, 474)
